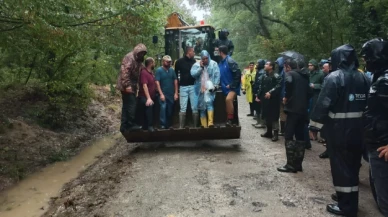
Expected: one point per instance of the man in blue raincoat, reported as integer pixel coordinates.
(207, 78)
(230, 82)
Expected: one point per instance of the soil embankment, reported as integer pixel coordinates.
(26, 146)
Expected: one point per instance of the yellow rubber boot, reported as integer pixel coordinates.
(204, 122)
(210, 116)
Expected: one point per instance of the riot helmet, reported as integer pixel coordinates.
(375, 54)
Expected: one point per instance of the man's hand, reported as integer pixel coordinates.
(176, 97)
(244, 92)
(284, 100)
(149, 102)
(383, 152)
(162, 98)
(311, 85)
(267, 95)
(128, 90)
(257, 99)
(227, 87)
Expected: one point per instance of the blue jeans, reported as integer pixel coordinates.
(187, 92)
(379, 169)
(166, 110)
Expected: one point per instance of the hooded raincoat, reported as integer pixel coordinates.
(249, 79)
(130, 69)
(316, 79)
(339, 107)
(205, 78)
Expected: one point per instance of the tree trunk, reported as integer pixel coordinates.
(263, 28)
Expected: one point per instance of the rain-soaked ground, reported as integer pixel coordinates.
(31, 196)
(209, 178)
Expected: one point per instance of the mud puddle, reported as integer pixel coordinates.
(30, 197)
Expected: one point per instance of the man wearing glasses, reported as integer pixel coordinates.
(167, 85)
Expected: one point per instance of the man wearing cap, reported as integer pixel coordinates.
(167, 85)
(127, 83)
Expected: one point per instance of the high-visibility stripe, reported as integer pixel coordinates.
(382, 95)
(345, 115)
(316, 124)
(346, 189)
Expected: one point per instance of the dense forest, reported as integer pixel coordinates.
(62, 46)
(263, 28)
(59, 47)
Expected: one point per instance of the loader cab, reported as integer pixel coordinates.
(198, 37)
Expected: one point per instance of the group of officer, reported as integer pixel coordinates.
(351, 105)
(354, 110)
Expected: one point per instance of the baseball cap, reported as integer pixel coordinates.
(167, 58)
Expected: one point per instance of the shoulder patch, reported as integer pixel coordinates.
(351, 97)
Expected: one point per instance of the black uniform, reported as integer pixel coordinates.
(271, 83)
(298, 94)
(259, 73)
(375, 53)
(223, 40)
(340, 106)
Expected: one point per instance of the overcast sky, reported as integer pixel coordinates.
(198, 13)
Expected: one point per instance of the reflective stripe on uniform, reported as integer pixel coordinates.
(316, 124)
(345, 115)
(346, 189)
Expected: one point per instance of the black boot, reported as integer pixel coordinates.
(290, 153)
(267, 134)
(334, 197)
(334, 209)
(324, 155)
(282, 124)
(299, 155)
(275, 136)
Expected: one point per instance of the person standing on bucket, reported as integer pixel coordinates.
(167, 85)
(207, 75)
(127, 83)
(230, 81)
(186, 86)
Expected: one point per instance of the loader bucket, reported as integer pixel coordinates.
(189, 133)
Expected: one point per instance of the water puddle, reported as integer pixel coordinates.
(30, 197)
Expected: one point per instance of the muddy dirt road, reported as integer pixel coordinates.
(214, 178)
